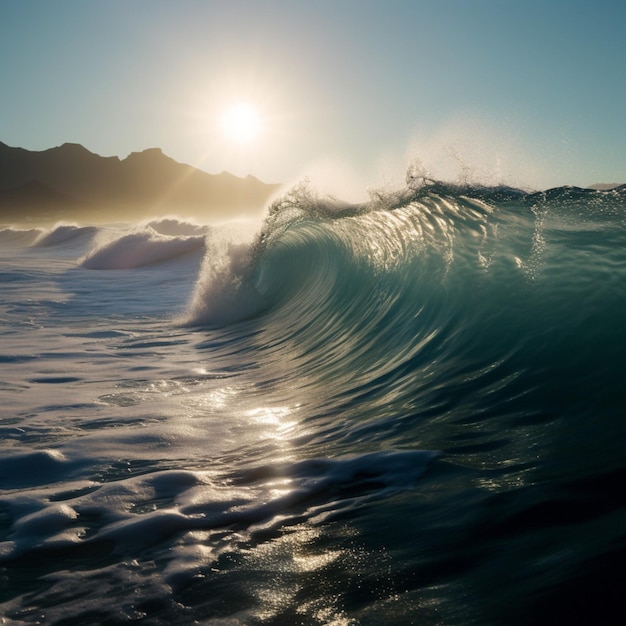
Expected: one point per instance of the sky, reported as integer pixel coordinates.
(348, 92)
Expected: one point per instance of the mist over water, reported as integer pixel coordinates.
(407, 409)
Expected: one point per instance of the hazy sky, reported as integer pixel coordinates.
(531, 93)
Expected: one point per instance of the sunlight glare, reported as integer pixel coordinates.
(241, 122)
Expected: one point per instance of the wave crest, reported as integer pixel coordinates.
(317, 258)
(64, 233)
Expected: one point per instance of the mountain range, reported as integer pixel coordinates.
(70, 182)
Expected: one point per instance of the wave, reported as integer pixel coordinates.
(425, 290)
(309, 247)
(19, 237)
(421, 233)
(63, 234)
(143, 247)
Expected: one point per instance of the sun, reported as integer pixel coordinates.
(241, 122)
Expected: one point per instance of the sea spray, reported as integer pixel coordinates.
(225, 292)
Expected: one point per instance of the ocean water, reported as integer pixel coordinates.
(410, 411)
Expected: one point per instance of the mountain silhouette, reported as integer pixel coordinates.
(70, 182)
(605, 186)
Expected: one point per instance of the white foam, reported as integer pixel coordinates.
(174, 227)
(126, 512)
(44, 524)
(225, 292)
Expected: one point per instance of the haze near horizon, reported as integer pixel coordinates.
(346, 93)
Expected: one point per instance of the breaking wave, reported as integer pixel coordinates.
(147, 246)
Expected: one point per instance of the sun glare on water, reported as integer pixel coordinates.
(241, 123)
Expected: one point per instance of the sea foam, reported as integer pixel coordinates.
(225, 291)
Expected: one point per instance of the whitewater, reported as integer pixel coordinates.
(406, 411)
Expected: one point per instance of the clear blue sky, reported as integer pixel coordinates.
(530, 93)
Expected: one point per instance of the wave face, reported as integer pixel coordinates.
(404, 411)
(503, 281)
